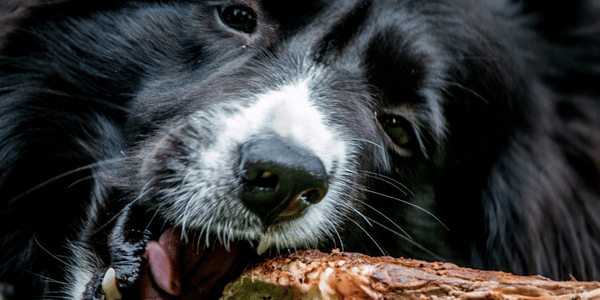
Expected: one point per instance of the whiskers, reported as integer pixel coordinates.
(46, 250)
(63, 261)
(89, 167)
(378, 219)
(391, 181)
(383, 252)
(337, 234)
(463, 88)
(394, 183)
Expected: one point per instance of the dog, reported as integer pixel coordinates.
(465, 131)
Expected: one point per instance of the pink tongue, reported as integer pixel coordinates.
(188, 271)
(163, 268)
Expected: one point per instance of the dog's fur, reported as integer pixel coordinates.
(119, 114)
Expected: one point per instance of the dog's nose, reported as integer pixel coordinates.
(280, 180)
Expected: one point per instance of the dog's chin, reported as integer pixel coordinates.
(187, 270)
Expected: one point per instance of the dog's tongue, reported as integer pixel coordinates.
(176, 270)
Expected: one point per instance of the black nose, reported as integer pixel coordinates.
(280, 180)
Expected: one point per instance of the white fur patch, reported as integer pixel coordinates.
(287, 113)
(82, 265)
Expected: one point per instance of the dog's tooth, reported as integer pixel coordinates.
(263, 244)
(109, 285)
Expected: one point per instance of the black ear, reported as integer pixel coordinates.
(558, 17)
(11, 12)
(14, 12)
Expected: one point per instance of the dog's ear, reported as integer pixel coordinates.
(12, 12)
(557, 7)
(557, 17)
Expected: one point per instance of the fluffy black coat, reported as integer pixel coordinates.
(500, 98)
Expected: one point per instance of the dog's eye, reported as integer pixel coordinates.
(239, 18)
(398, 129)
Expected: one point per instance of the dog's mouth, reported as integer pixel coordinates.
(177, 269)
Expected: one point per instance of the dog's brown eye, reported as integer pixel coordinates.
(239, 18)
(398, 129)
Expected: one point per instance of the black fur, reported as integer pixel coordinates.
(503, 97)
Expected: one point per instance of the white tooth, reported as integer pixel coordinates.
(109, 285)
(263, 244)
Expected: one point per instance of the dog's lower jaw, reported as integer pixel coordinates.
(142, 268)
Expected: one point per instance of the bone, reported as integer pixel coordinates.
(109, 285)
(311, 274)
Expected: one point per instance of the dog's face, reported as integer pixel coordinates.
(284, 125)
(338, 98)
(356, 96)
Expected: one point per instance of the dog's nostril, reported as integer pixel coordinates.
(311, 196)
(259, 180)
(280, 180)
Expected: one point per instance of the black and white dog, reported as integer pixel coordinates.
(140, 136)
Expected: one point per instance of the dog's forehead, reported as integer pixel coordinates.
(358, 47)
